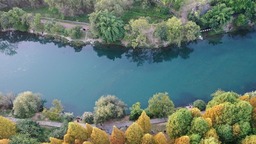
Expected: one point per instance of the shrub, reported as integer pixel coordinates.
(60, 132)
(7, 128)
(23, 139)
(135, 111)
(160, 105)
(75, 32)
(6, 101)
(200, 104)
(55, 112)
(26, 104)
(68, 116)
(108, 107)
(31, 129)
(88, 117)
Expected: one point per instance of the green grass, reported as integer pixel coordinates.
(46, 12)
(155, 13)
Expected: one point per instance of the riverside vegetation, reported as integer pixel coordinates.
(227, 118)
(132, 23)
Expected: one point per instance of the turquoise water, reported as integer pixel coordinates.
(78, 77)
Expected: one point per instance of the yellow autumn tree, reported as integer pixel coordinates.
(160, 138)
(87, 142)
(55, 141)
(148, 139)
(75, 132)
(182, 140)
(89, 129)
(117, 136)
(7, 128)
(249, 140)
(4, 141)
(134, 134)
(214, 113)
(211, 133)
(195, 112)
(144, 122)
(99, 137)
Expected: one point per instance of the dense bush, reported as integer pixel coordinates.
(160, 105)
(26, 104)
(23, 139)
(108, 107)
(88, 117)
(135, 111)
(200, 104)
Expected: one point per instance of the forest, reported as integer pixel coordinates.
(131, 23)
(227, 118)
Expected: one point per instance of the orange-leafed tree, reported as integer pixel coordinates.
(144, 122)
(99, 137)
(160, 138)
(7, 128)
(117, 136)
(148, 139)
(134, 134)
(4, 141)
(182, 140)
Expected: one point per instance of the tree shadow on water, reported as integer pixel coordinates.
(141, 56)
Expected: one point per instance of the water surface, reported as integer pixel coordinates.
(78, 77)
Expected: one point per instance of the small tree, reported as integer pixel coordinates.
(134, 134)
(135, 111)
(182, 140)
(147, 139)
(160, 105)
(26, 104)
(199, 126)
(160, 138)
(76, 131)
(117, 136)
(144, 122)
(108, 107)
(55, 112)
(200, 104)
(7, 128)
(179, 123)
(99, 137)
(88, 117)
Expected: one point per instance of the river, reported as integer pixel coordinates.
(79, 76)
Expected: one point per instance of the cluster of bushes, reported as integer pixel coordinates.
(19, 20)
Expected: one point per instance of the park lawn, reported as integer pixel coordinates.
(155, 13)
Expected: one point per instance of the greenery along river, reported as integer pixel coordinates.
(79, 77)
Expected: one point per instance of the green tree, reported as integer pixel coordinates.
(26, 104)
(108, 107)
(75, 32)
(55, 112)
(134, 134)
(31, 129)
(200, 104)
(23, 139)
(179, 123)
(191, 31)
(175, 31)
(199, 126)
(115, 6)
(135, 111)
(37, 24)
(107, 26)
(218, 16)
(160, 105)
